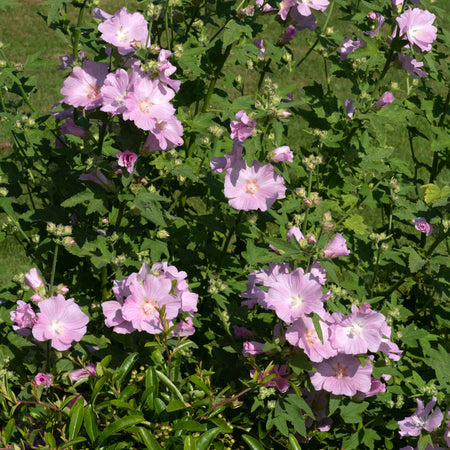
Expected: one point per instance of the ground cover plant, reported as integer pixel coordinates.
(219, 257)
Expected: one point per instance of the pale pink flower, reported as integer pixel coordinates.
(422, 225)
(294, 295)
(283, 153)
(82, 86)
(336, 247)
(319, 273)
(148, 103)
(43, 378)
(166, 69)
(36, 298)
(304, 7)
(60, 321)
(124, 29)
(142, 308)
(447, 432)
(127, 159)
(70, 127)
(418, 26)
(252, 348)
(255, 187)
(85, 372)
(33, 279)
(115, 89)
(342, 375)
(165, 135)
(412, 66)
(349, 46)
(243, 127)
(302, 333)
(294, 231)
(421, 419)
(265, 6)
(376, 387)
(386, 99)
(24, 316)
(100, 14)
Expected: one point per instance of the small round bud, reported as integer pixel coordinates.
(3, 192)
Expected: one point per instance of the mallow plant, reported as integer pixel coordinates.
(237, 227)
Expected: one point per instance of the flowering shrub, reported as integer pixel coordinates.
(248, 204)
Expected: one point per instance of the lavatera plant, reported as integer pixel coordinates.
(234, 225)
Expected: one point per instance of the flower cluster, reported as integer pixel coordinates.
(296, 297)
(139, 92)
(151, 301)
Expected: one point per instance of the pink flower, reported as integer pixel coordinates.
(252, 348)
(142, 308)
(148, 103)
(376, 387)
(386, 99)
(417, 24)
(60, 321)
(255, 187)
(303, 334)
(184, 328)
(115, 89)
(74, 400)
(82, 86)
(380, 18)
(294, 231)
(281, 380)
(43, 378)
(100, 14)
(304, 7)
(243, 127)
(127, 159)
(294, 295)
(349, 46)
(242, 333)
(283, 153)
(342, 375)
(259, 44)
(165, 135)
(359, 332)
(412, 66)
(124, 29)
(349, 108)
(422, 225)
(24, 316)
(421, 419)
(89, 371)
(289, 34)
(219, 165)
(33, 279)
(336, 247)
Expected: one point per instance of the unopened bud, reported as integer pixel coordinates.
(3, 192)
(162, 234)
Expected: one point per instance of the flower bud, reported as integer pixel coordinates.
(162, 234)
(3, 192)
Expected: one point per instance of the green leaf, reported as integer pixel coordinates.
(356, 223)
(170, 385)
(76, 416)
(415, 262)
(119, 425)
(252, 443)
(150, 209)
(190, 443)
(189, 425)
(351, 413)
(205, 440)
(147, 438)
(175, 405)
(294, 443)
(90, 423)
(71, 444)
(433, 193)
(125, 367)
(9, 429)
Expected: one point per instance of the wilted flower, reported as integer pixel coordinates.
(422, 225)
(24, 316)
(412, 66)
(88, 371)
(127, 159)
(386, 99)
(283, 153)
(243, 127)
(349, 46)
(43, 378)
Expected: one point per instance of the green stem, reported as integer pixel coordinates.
(375, 272)
(77, 32)
(230, 234)
(2, 103)
(166, 24)
(305, 222)
(52, 276)
(104, 283)
(313, 46)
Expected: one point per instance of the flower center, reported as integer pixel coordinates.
(340, 370)
(251, 187)
(122, 35)
(418, 421)
(296, 301)
(93, 92)
(161, 125)
(145, 106)
(354, 329)
(311, 336)
(148, 307)
(56, 327)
